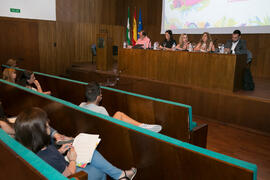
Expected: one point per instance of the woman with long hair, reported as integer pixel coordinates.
(169, 41)
(29, 80)
(9, 75)
(206, 44)
(183, 42)
(33, 131)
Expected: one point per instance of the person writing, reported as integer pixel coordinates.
(33, 131)
(206, 44)
(94, 96)
(183, 42)
(168, 42)
(143, 40)
(236, 45)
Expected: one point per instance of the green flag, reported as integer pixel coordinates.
(128, 29)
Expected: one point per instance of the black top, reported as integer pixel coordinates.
(168, 44)
(54, 158)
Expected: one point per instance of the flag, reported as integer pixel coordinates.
(140, 26)
(128, 29)
(134, 38)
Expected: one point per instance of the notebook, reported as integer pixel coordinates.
(85, 145)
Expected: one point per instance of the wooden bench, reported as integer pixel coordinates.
(175, 118)
(239, 109)
(155, 155)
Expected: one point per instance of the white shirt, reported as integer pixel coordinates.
(95, 108)
(234, 44)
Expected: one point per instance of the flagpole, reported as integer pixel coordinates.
(128, 28)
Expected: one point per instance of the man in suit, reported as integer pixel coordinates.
(236, 45)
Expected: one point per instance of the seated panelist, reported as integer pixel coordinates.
(206, 44)
(183, 42)
(236, 45)
(143, 40)
(168, 42)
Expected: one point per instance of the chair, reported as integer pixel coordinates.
(94, 51)
(249, 57)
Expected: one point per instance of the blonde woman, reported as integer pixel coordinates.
(9, 75)
(183, 42)
(206, 44)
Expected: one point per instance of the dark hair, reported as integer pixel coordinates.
(24, 77)
(237, 32)
(143, 33)
(92, 91)
(170, 33)
(31, 129)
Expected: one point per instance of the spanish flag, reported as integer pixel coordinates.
(134, 32)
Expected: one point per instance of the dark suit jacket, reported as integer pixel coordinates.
(241, 47)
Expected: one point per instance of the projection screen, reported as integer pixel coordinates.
(29, 9)
(216, 16)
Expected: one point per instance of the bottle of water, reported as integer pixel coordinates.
(190, 49)
(222, 49)
(173, 47)
(155, 46)
(144, 46)
(219, 47)
(125, 44)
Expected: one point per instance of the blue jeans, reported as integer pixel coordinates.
(99, 167)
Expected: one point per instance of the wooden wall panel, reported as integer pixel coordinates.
(47, 48)
(19, 39)
(90, 11)
(85, 36)
(65, 45)
(73, 43)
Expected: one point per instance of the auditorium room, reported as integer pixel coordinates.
(134, 89)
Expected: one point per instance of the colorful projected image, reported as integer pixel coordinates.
(192, 14)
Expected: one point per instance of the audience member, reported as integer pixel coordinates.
(9, 75)
(27, 79)
(11, 62)
(33, 131)
(94, 96)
